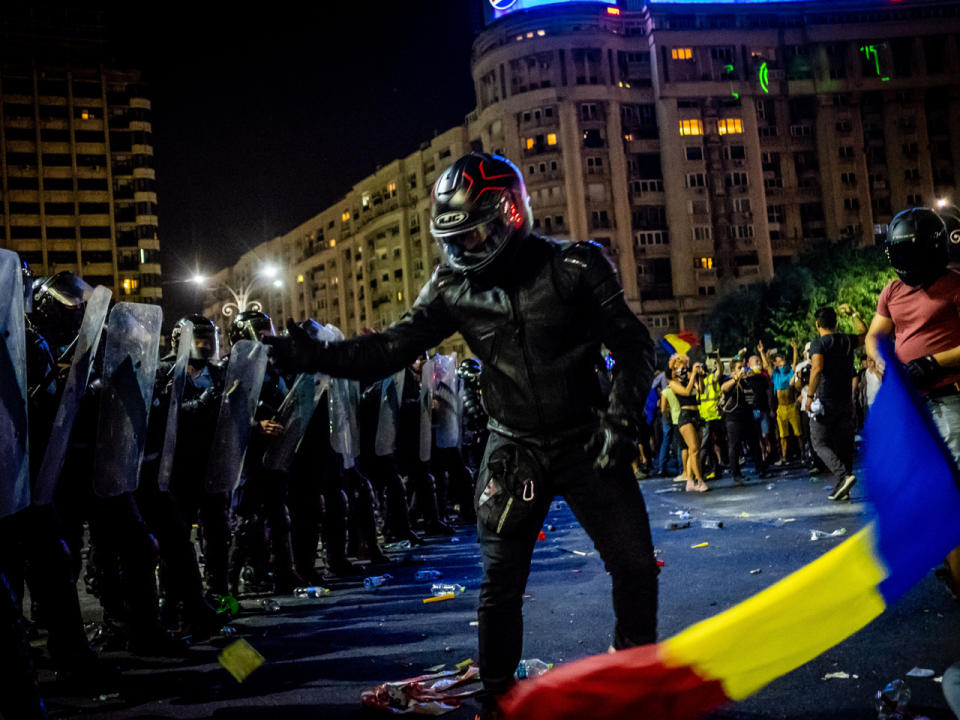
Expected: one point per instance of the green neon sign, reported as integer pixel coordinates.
(764, 76)
(873, 55)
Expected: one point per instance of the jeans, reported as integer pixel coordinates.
(668, 432)
(946, 416)
(743, 429)
(610, 507)
(832, 437)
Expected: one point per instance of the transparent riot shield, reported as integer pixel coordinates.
(391, 393)
(342, 403)
(427, 386)
(178, 383)
(14, 435)
(295, 414)
(84, 351)
(129, 369)
(447, 396)
(241, 391)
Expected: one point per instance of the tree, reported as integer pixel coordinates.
(783, 309)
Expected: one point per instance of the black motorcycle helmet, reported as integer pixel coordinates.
(203, 329)
(59, 302)
(950, 214)
(916, 246)
(250, 325)
(469, 369)
(479, 206)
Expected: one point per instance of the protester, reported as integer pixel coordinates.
(788, 415)
(831, 362)
(712, 437)
(759, 383)
(683, 383)
(737, 406)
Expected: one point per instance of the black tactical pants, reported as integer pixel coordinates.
(610, 507)
(19, 694)
(383, 473)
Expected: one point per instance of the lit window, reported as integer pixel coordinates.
(529, 143)
(519, 38)
(399, 297)
(392, 188)
(541, 33)
(530, 34)
(551, 138)
(333, 242)
(143, 256)
(299, 278)
(628, 137)
(729, 126)
(691, 127)
(85, 115)
(682, 53)
(345, 215)
(704, 263)
(613, 11)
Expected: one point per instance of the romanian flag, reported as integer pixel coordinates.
(679, 343)
(732, 655)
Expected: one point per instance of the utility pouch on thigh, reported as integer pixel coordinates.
(509, 485)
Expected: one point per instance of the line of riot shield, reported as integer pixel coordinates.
(427, 386)
(14, 433)
(447, 399)
(177, 384)
(78, 378)
(129, 369)
(295, 414)
(342, 403)
(391, 392)
(241, 391)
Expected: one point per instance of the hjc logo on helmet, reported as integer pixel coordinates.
(502, 4)
(955, 237)
(450, 219)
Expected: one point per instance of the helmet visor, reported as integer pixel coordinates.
(475, 246)
(905, 256)
(68, 289)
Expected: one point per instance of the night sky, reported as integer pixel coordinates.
(261, 120)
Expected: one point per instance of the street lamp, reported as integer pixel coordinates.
(942, 202)
(241, 296)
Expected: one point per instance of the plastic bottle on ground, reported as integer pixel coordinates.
(314, 591)
(427, 575)
(532, 668)
(438, 589)
(372, 583)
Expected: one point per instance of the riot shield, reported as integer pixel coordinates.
(426, 409)
(241, 391)
(84, 350)
(14, 435)
(447, 396)
(342, 403)
(295, 414)
(178, 383)
(391, 391)
(129, 370)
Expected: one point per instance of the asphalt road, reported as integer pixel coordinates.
(320, 654)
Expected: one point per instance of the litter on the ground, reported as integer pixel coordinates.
(840, 676)
(756, 572)
(239, 658)
(712, 524)
(401, 545)
(437, 668)
(919, 672)
(432, 694)
(666, 490)
(699, 545)
(660, 563)
(464, 663)
(743, 515)
(438, 598)
(681, 514)
(817, 534)
(676, 524)
(574, 552)
(474, 623)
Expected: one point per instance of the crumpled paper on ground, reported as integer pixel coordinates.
(432, 694)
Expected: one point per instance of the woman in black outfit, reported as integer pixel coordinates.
(684, 385)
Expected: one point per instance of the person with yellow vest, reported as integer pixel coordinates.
(713, 438)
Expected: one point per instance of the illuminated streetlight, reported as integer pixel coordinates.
(199, 279)
(278, 283)
(241, 297)
(269, 271)
(942, 202)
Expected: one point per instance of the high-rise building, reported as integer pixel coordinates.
(78, 185)
(703, 144)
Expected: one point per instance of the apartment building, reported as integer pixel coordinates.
(77, 180)
(703, 144)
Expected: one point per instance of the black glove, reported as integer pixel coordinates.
(294, 352)
(614, 444)
(924, 370)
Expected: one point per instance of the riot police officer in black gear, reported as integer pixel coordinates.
(179, 570)
(535, 311)
(58, 305)
(916, 246)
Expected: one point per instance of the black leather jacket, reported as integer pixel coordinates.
(537, 332)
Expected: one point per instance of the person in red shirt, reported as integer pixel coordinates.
(922, 309)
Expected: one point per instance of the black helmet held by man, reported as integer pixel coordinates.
(916, 246)
(251, 325)
(479, 208)
(206, 339)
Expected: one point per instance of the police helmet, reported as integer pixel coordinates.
(203, 329)
(59, 302)
(250, 325)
